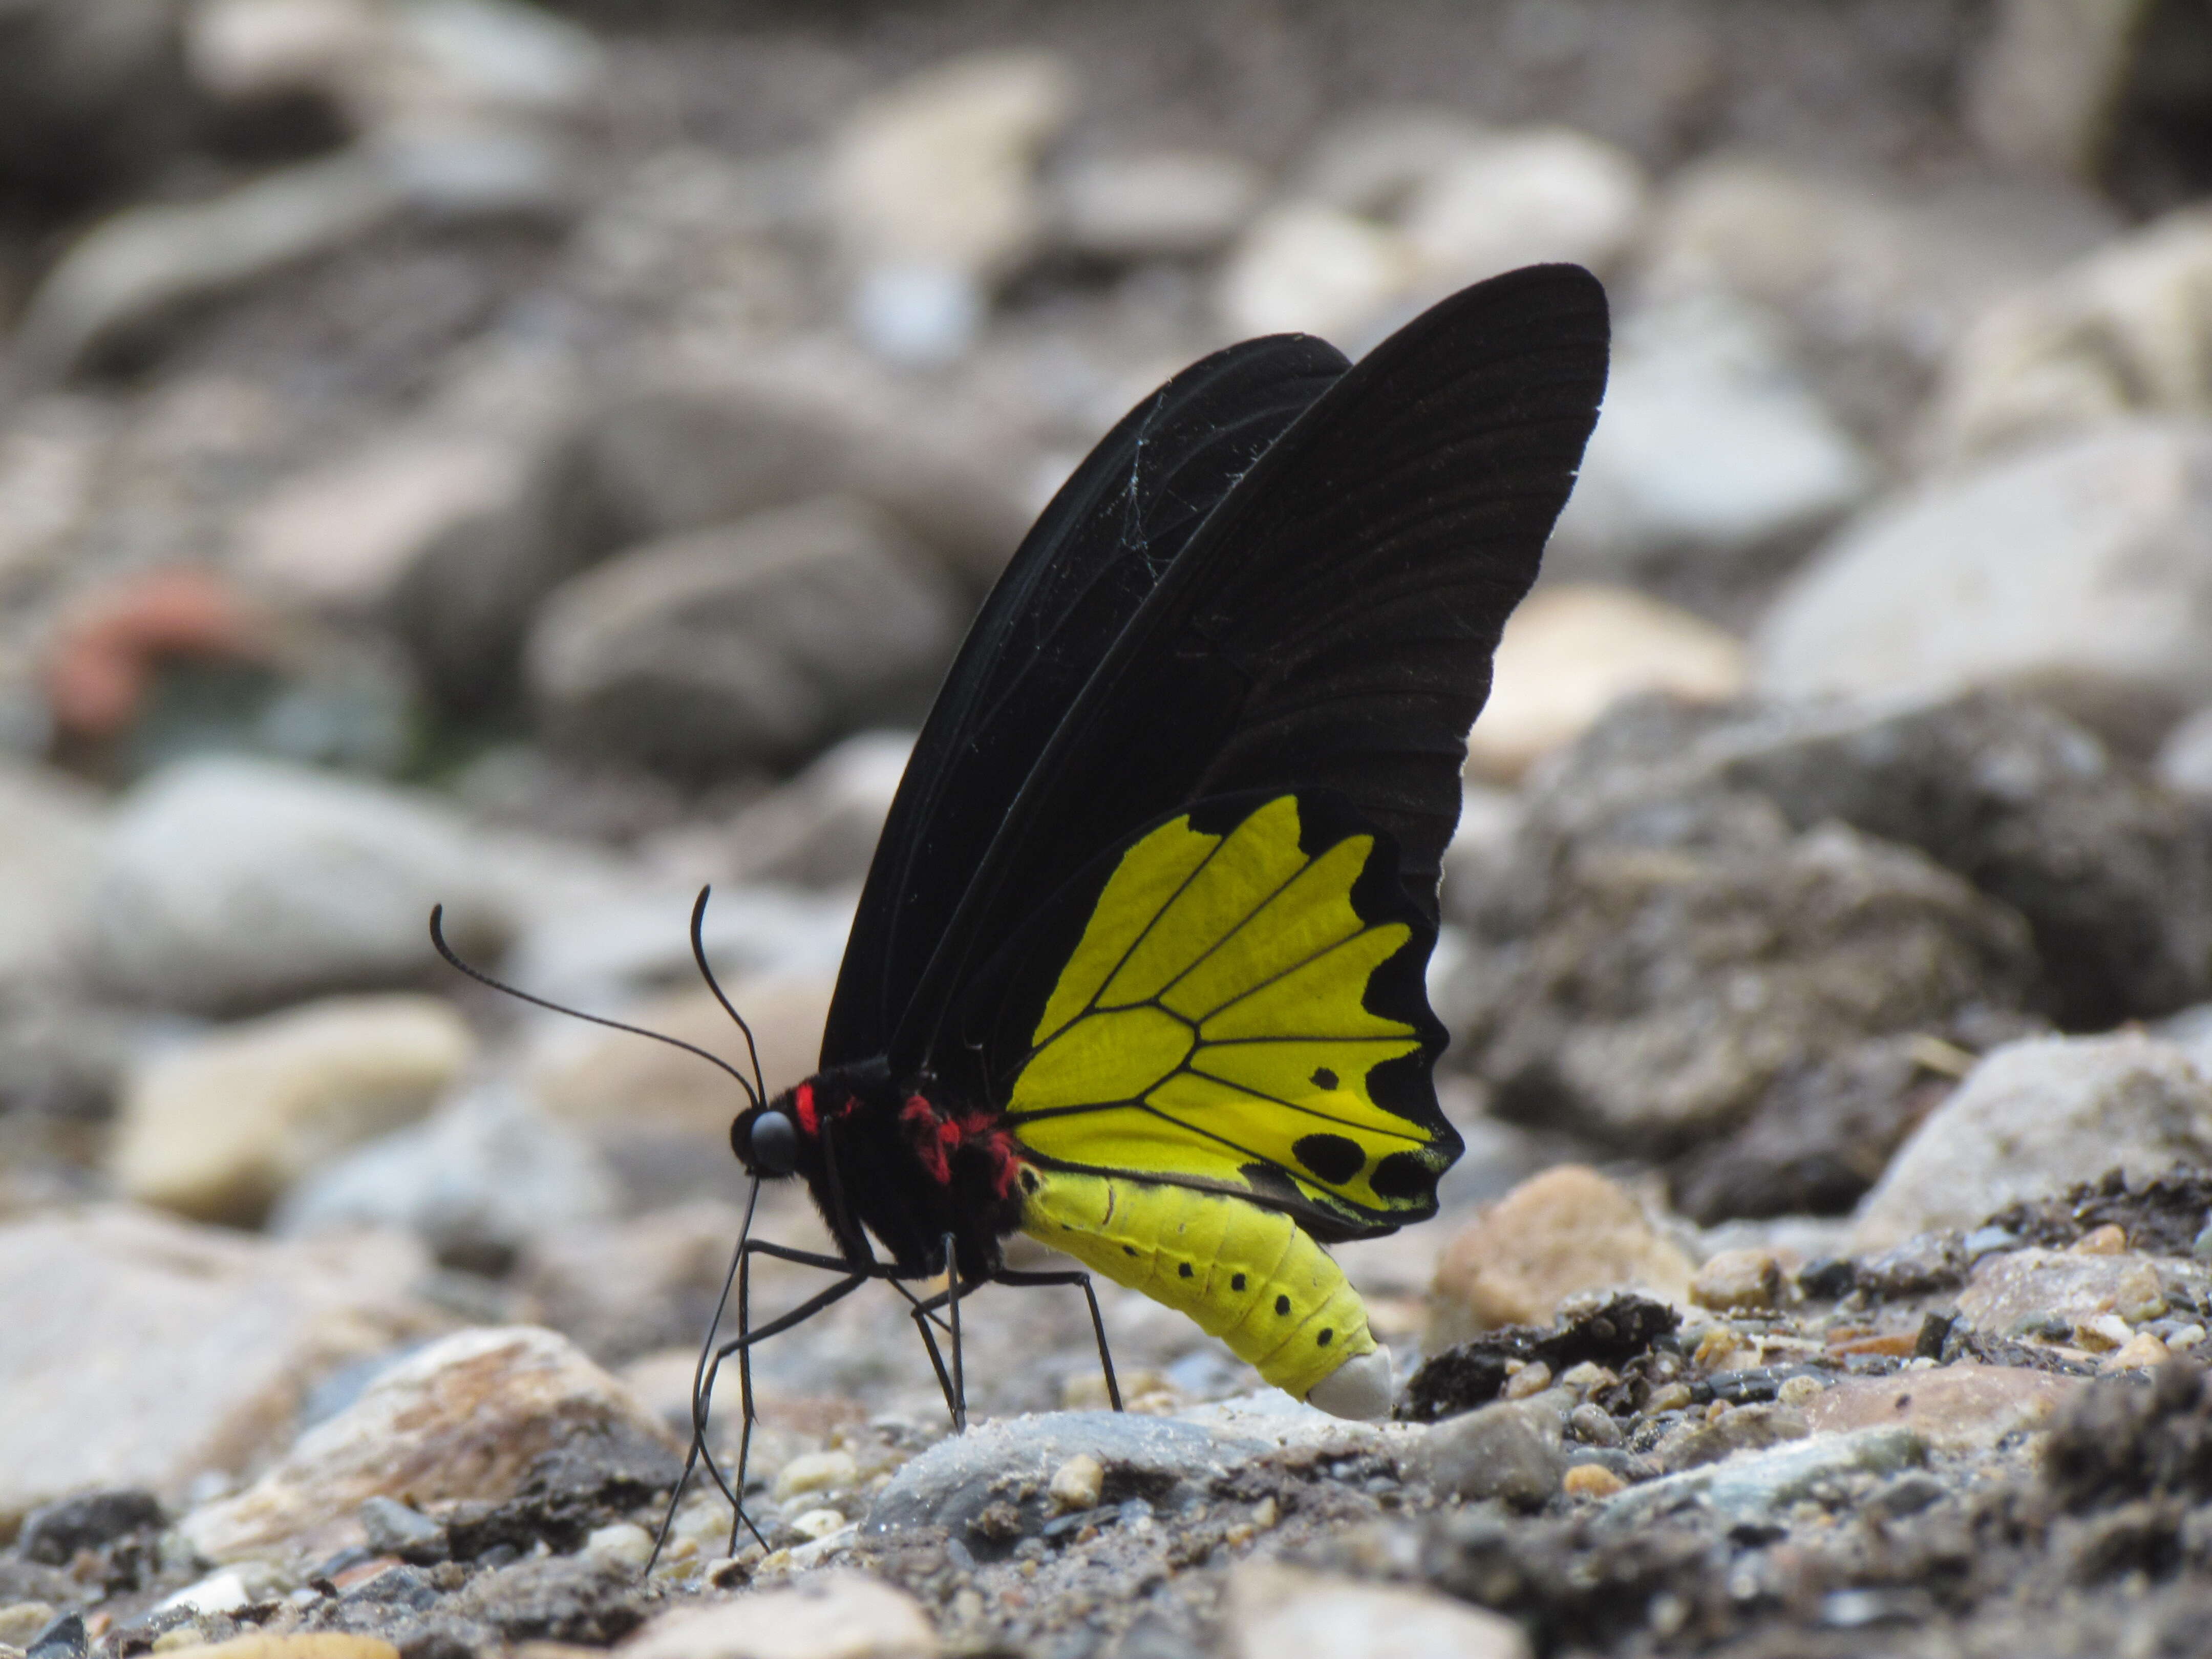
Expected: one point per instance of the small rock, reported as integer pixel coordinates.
(939, 170)
(1303, 267)
(1756, 1487)
(1594, 1425)
(1796, 1390)
(624, 1545)
(1153, 204)
(341, 537)
(1591, 1480)
(1519, 198)
(829, 1615)
(2007, 1291)
(392, 1528)
(22, 1622)
(1569, 651)
(952, 1483)
(469, 1417)
(1510, 1450)
(2068, 569)
(1532, 1378)
(1711, 448)
(1077, 1482)
(1955, 1409)
(477, 1182)
(338, 877)
(245, 1328)
(1566, 1231)
(818, 1470)
(2141, 1351)
(216, 1128)
(820, 829)
(50, 829)
(64, 1638)
(2030, 1120)
(54, 1534)
(1746, 1428)
(1275, 1609)
(755, 644)
(1738, 1281)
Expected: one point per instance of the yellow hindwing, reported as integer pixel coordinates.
(1212, 1018)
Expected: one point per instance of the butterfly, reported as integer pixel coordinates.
(1137, 968)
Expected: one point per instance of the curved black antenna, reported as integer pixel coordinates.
(706, 972)
(438, 939)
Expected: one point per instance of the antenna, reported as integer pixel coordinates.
(706, 972)
(438, 939)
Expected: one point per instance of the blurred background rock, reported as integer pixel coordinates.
(539, 459)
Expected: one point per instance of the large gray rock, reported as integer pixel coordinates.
(1655, 963)
(2075, 569)
(243, 1328)
(752, 646)
(229, 884)
(1512, 1449)
(2035, 1118)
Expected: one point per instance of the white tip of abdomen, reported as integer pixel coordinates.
(1360, 1388)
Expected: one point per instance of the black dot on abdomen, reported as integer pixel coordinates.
(1333, 1157)
(1282, 1306)
(1323, 1077)
(1128, 1250)
(1183, 1270)
(1236, 1283)
(1326, 1337)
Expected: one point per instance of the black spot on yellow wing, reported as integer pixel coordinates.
(1323, 1077)
(1404, 1174)
(1334, 1158)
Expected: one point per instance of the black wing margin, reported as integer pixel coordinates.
(1330, 628)
(1114, 529)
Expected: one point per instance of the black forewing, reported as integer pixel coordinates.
(1330, 627)
(1108, 536)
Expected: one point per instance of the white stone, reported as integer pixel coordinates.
(1570, 651)
(2126, 330)
(1520, 198)
(2076, 570)
(243, 1328)
(1303, 267)
(215, 1128)
(2032, 1119)
(1708, 440)
(827, 1615)
(227, 882)
(1275, 1610)
(940, 169)
(1163, 204)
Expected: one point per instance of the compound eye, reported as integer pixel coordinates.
(774, 1144)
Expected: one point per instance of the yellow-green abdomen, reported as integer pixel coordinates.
(1250, 1276)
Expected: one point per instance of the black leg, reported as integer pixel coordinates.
(1082, 1280)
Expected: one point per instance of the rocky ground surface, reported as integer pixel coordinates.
(536, 461)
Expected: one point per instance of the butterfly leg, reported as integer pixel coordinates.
(1082, 1282)
(954, 1382)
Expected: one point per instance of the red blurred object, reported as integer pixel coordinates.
(104, 654)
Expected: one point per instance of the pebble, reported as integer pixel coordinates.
(2068, 569)
(2139, 1352)
(1743, 1428)
(1762, 1484)
(757, 644)
(1955, 1409)
(2035, 1117)
(817, 1471)
(245, 1327)
(1594, 1425)
(338, 876)
(477, 1182)
(1152, 204)
(1076, 1485)
(1305, 267)
(1534, 1377)
(1275, 1609)
(1738, 1281)
(464, 1417)
(1559, 1234)
(1510, 1450)
(835, 1614)
(623, 1544)
(1522, 197)
(2007, 1291)
(1712, 446)
(1571, 650)
(217, 1127)
(1592, 1480)
(22, 1622)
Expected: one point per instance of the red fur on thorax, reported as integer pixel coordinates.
(936, 1138)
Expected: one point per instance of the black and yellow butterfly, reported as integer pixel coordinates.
(1137, 968)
